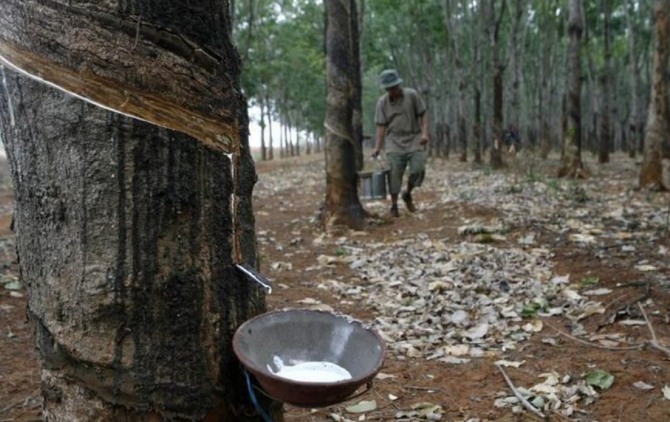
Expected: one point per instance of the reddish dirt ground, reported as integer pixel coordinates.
(466, 392)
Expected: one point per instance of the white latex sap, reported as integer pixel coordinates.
(312, 372)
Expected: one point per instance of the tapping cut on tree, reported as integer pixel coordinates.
(121, 62)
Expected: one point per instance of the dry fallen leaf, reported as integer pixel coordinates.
(641, 385)
(362, 406)
(508, 363)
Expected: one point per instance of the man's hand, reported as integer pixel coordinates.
(375, 153)
(424, 140)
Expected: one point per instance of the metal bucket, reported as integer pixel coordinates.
(373, 184)
(301, 336)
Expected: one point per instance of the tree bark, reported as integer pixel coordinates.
(142, 43)
(651, 173)
(498, 69)
(271, 154)
(571, 160)
(342, 206)
(605, 129)
(125, 230)
(357, 100)
(477, 128)
(261, 103)
(545, 92)
(496, 148)
(516, 48)
(455, 44)
(635, 123)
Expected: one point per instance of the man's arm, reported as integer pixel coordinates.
(379, 140)
(425, 130)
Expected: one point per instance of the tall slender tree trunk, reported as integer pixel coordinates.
(635, 125)
(268, 109)
(357, 99)
(498, 69)
(544, 90)
(517, 62)
(478, 85)
(264, 152)
(571, 165)
(455, 37)
(289, 137)
(496, 153)
(477, 128)
(605, 129)
(125, 230)
(342, 206)
(651, 173)
(282, 138)
(297, 142)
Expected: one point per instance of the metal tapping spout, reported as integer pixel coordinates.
(252, 275)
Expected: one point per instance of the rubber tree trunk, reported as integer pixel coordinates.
(544, 90)
(477, 128)
(635, 125)
(125, 230)
(342, 205)
(651, 173)
(357, 100)
(497, 72)
(605, 127)
(571, 159)
(456, 41)
(264, 150)
(271, 148)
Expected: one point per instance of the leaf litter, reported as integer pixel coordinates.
(484, 293)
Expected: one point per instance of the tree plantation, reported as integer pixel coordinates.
(521, 272)
(574, 76)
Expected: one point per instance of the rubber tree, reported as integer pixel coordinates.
(355, 26)
(605, 81)
(127, 138)
(571, 160)
(494, 22)
(342, 206)
(456, 43)
(635, 125)
(651, 173)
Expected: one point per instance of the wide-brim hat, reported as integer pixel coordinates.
(389, 78)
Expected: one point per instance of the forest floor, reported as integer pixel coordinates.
(556, 283)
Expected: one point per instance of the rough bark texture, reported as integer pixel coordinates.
(342, 204)
(125, 230)
(571, 165)
(651, 173)
(117, 53)
(357, 100)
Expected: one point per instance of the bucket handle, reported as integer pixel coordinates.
(254, 400)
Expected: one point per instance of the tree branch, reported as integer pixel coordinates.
(654, 340)
(518, 395)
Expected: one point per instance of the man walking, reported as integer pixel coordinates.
(402, 131)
